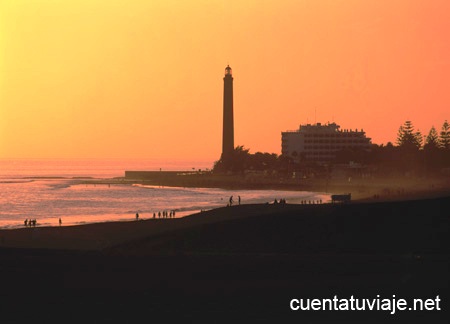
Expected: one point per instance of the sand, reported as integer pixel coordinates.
(232, 264)
(99, 236)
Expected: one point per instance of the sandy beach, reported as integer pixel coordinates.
(240, 263)
(99, 236)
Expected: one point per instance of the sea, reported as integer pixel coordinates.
(51, 189)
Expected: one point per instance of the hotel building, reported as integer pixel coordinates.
(320, 143)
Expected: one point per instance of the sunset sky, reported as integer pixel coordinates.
(143, 79)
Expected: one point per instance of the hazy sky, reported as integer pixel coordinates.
(143, 79)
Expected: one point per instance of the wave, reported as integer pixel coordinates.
(46, 178)
(15, 181)
(196, 190)
(144, 186)
(60, 185)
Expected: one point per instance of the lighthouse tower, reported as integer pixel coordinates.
(228, 124)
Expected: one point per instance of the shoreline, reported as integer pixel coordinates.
(127, 206)
(367, 191)
(359, 186)
(100, 235)
(360, 189)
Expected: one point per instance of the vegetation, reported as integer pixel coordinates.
(444, 139)
(432, 140)
(242, 160)
(412, 155)
(407, 138)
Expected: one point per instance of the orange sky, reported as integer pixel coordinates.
(143, 79)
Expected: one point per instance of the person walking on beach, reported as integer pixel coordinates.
(239, 200)
(231, 200)
(25, 222)
(60, 222)
(137, 216)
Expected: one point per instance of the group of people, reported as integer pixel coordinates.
(309, 202)
(32, 222)
(282, 201)
(29, 222)
(165, 214)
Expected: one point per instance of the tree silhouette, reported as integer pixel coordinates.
(237, 161)
(444, 138)
(240, 158)
(407, 138)
(432, 140)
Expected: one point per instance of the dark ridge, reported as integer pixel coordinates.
(385, 227)
(243, 266)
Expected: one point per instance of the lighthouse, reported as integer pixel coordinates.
(228, 124)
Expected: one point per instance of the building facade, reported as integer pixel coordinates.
(317, 142)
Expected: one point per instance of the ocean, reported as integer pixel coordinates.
(50, 189)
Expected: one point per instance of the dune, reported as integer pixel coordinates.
(240, 263)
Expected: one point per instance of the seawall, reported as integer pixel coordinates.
(152, 175)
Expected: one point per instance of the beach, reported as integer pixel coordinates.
(241, 263)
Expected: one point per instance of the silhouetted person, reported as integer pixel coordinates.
(239, 200)
(154, 215)
(137, 216)
(231, 200)
(60, 222)
(275, 201)
(25, 222)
